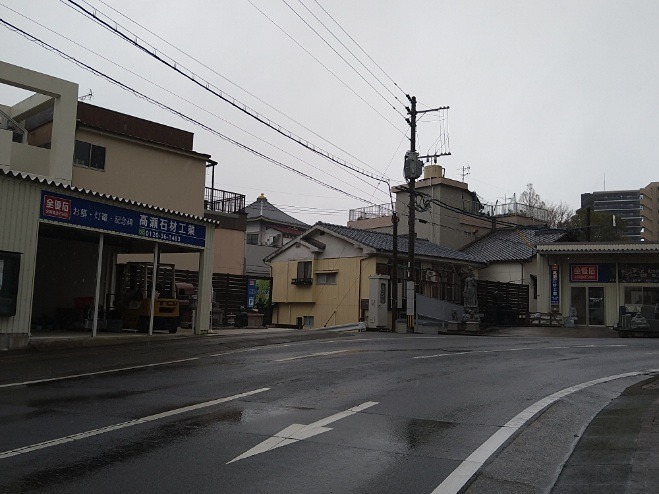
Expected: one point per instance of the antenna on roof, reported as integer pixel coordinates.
(87, 96)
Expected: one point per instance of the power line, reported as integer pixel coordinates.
(324, 66)
(137, 93)
(233, 83)
(186, 100)
(341, 56)
(207, 86)
(359, 46)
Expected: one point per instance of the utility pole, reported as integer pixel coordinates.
(394, 270)
(412, 170)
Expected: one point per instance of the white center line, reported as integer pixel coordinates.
(87, 374)
(123, 425)
(319, 354)
(519, 349)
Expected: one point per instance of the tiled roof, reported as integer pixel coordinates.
(518, 244)
(599, 247)
(261, 208)
(384, 242)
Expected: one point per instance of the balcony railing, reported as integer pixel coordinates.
(302, 281)
(18, 131)
(223, 201)
(370, 212)
(519, 209)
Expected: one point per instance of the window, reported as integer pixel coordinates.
(304, 269)
(303, 274)
(326, 278)
(252, 238)
(308, 322)
(89, 155)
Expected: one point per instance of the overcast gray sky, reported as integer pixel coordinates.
(562, 94)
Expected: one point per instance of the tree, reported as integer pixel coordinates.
(602, 227)
(558, 214)
(531, 198)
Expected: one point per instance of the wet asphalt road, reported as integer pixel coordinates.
(384, 413)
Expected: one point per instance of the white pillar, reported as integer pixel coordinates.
(202, 321)
(97, 293)
(154, 278)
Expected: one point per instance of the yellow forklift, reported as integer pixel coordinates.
(133, 298)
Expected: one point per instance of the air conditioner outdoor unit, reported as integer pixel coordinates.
(431, 275)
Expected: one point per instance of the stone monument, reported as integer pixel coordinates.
(471, 318)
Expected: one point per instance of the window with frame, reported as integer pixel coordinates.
(304, 269)
(303, 273)
(89, 155)
(326, 278)
(252, 238)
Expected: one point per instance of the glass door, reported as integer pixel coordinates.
(589, 303)
(578, 301)
(595, 306)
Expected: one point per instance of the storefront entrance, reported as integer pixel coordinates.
(589, 303)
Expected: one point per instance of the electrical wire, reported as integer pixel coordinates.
(324, 66)
(233, 83)
(151, 100)
(341, 56)
(205, 85)
(199, 107)
(359, 46)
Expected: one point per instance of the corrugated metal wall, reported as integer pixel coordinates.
(19, 227)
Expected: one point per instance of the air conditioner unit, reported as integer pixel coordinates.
(431, 275)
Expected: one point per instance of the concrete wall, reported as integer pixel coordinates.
(63, 97)
(145, 173)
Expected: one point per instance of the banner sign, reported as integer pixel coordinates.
(114, 219)
(555, 286)
(258, 293)
(593, 273)
(639, 273)
(584, 272)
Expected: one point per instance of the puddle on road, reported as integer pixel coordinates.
(419, 432)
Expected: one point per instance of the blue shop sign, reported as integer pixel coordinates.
(555, 286)
(105, 217)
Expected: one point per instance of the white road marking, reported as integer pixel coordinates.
(123, 425)
(297, 432)
(468, 468)
(319, 354)
(87, 374)
(519, 349)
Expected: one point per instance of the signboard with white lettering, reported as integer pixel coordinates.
(108, 218)
(593, 273)
(555, 286)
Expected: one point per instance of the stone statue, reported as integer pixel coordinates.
(469, 293)
(471, 317)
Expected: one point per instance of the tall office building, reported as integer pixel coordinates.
(637, 207)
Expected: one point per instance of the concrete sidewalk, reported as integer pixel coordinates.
(619, 450)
